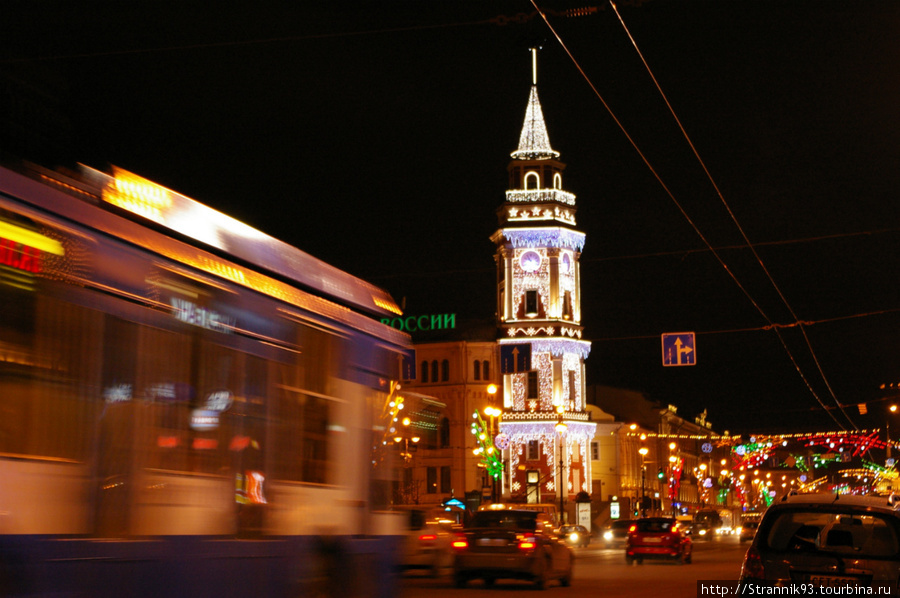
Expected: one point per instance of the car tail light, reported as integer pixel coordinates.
(527, 543)
(460, 543)
(753, 565)
(427, 538)
(632, 529)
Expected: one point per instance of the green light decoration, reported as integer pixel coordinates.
(490, 455)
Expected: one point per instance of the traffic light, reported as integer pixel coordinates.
(661, 475)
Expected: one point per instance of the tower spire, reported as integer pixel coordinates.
(534, 144)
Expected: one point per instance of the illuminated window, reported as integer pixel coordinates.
(533, 452)
(445, 480)
(557, 181)
(532, 181)
(424, 371)
(445, 371)
(567, 305)
(431, 480)
(477, 367)
(531, 302)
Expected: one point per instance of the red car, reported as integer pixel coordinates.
(658, 538)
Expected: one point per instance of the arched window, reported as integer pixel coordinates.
(557, 181)
(532, 180)
(486, 369)
(445, 371)
(424, 371)
(434, 371)
(477, 366)
(444, 433)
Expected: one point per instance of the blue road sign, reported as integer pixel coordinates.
(515, 358)
(678, 349)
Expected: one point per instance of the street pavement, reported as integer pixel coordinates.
(603, 572)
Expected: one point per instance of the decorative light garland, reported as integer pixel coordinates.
(540, 196)
(544, 237)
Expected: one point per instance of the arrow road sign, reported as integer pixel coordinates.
(678, 349)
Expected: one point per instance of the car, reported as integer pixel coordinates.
(427, 541)
(658, 538)
(574, 535)
(615, 533)
(834, 540)
(748, 529)
(510, 544)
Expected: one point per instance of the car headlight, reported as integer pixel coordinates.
(607, 535)
(573, 536)
(703, 532)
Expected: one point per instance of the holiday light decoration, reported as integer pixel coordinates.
(540, 196)
(534, 143)
(490, 455)
(544, 237)
(540, 213)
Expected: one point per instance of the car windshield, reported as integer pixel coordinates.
(621, 524)
(858, 534)
(654, 526)
(522, 520)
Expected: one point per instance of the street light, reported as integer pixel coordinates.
(643, 451)
(492, 413)
(561, 428)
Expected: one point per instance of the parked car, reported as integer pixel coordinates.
(510, 544)
(827, 540)
(574, 535)
(615, 533)
(427, 544)
(658, 538)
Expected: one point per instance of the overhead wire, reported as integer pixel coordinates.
(685, 214)
(762, 265)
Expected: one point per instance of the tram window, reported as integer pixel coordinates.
(47, 400)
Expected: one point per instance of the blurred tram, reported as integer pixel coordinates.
(188, 407)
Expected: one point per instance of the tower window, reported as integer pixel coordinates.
(573, 391)
(434, 371)
(477, 367)
(486, 369)
(567, 305)
(445, 371)
(531, 302)
(533, 454)
(532, 181)
(557, 181)
(533, 386)
(424, 371)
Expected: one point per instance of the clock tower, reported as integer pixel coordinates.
(544, 427)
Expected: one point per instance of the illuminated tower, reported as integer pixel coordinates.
(544, 426)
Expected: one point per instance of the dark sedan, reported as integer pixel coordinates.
(509, 544)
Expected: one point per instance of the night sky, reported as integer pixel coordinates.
(376, 135)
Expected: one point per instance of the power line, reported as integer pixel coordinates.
(682, 210)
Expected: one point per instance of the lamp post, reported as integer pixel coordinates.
(643, 451)
(492, 413)
(561, 428)
(887, 430)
